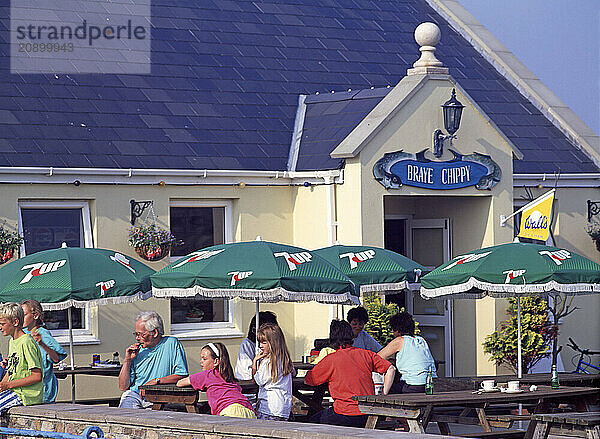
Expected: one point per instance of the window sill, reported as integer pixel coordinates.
(208, 333)
(78, 340)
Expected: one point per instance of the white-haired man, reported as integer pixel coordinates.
(152, 359)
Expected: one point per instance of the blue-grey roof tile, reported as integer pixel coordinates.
(228, 73)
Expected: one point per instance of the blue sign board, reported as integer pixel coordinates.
(400, 168)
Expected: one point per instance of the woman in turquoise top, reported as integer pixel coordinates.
(52, 351)
(413, 358)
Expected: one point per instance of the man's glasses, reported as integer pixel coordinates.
(139, 334)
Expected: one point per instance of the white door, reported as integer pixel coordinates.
(429, 244)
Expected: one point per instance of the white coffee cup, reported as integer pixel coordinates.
(488, 385)
(513, 386)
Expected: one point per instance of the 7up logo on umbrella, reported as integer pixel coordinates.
(105, 286)
(557, 256)
(294, 259)
(355, 258)
(199, 256)
(238, 275)
(512, 274)
(466, 259)
(40, 268)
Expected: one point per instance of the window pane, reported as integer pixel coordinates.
(198, 310)
(428, 246)
(197, 227)
(60, 319)
(45, 229)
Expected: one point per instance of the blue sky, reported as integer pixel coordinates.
(558, 40)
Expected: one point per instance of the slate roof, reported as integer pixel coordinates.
(224, 86)
(329, 118)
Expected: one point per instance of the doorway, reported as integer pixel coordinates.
(426, 241)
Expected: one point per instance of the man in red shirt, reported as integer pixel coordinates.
(348, 371)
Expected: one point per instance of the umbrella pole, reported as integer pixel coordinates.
(71, 352)
(257, 322)
(519, 352)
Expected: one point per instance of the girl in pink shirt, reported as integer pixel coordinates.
(223, 393)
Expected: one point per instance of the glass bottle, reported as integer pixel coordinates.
(554, 383)
(429, 383)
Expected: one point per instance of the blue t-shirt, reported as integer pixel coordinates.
(166, 358)
(364, 341)
(50, 381)
(414, 360)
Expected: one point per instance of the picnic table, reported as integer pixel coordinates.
(161, 394)
(567, 424)
(473, 382)
(419, 409)
(107, 371)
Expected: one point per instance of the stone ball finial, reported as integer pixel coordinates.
(427, 34)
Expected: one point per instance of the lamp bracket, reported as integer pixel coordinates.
(593, 209)
(438, 142)
(137, 209)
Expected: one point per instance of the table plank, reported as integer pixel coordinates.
(466, 397)
(473, 382)
(88, 370)
(584, 418)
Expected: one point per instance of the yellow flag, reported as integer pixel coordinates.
(536, 217)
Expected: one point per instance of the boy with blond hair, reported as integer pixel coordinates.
(22, 384)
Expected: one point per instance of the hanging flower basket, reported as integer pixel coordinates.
(151, 242)
(593, 229)
(153, 254)
(9, 243)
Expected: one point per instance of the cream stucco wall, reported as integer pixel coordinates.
(256, 211)
(474, 214)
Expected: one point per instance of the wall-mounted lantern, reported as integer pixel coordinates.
(452, 110)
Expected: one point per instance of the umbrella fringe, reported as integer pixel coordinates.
(395, 286)
(505, 290)
(272, 295)
(103, 301)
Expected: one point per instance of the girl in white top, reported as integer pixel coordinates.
(272, 370)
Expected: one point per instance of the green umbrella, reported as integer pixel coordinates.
(373, 268)
(65, 277)
(73, 276)
(510, 270)
(256, 270)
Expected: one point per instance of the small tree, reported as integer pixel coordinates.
(378, 325)
(536, 333)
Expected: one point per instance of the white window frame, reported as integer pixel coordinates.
(80, 336)
(207, 330)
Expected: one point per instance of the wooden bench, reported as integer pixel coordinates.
(586, 424)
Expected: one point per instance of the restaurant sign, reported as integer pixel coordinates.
(399, 168)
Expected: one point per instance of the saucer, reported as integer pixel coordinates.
(513, 391)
